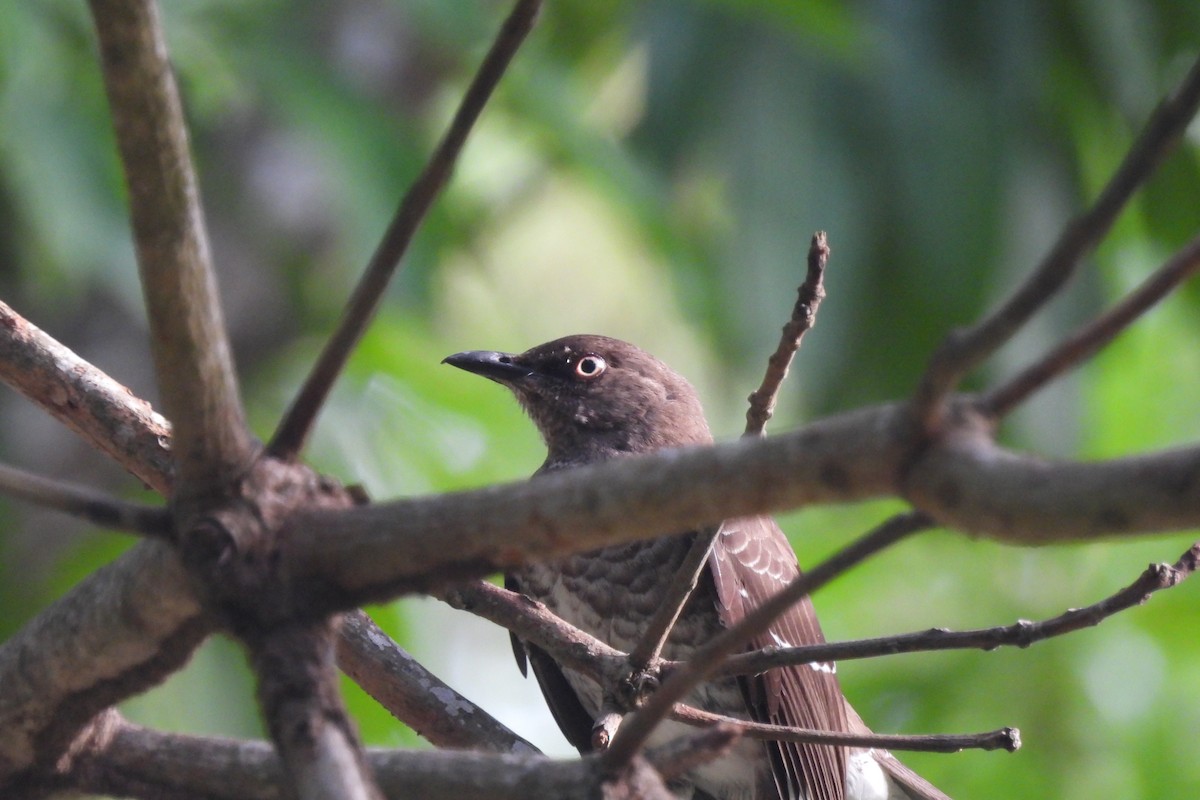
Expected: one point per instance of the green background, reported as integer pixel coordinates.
(654, 171)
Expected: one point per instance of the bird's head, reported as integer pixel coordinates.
(593, 397)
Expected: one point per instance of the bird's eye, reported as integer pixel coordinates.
(590, 367)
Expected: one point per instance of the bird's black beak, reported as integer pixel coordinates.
(500, 367)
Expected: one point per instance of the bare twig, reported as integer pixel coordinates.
(529, 619)
(1024, 633)
(965, 349)
(683, 583)
(762, 406)
(416, 696)
(1002, 739)
(293, 430)
(633, 733)
(187, 332)
(103, 412)
(86, 503)
(804, 316)
(1092, 337)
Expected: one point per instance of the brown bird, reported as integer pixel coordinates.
(594, 398)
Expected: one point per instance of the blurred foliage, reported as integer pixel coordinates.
(654, 171)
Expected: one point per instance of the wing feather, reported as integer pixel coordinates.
(751, 561)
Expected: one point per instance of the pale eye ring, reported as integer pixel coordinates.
(590, 367)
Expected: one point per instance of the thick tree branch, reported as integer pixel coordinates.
(123, 759)
(187, 332)
(118, 659)
(1094, 336)
(964, 480)
(416, 696)
(298, 420)
(966, 349)
(85, 503)
(114, 635)
(103, 412)
(297, 690)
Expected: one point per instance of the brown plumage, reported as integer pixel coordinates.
(594, 398)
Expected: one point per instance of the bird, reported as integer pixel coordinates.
(595, 398)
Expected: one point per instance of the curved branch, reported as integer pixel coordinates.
(804, 316)
(187, 332)
(1095, 335)
(966, 349)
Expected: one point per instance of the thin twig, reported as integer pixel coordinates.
(804, 316)
(683, 583)
(188, 338)
(86, 503)
(1024, 633)
(1002, 739)
(633, 733)
(1091, 338)
(529, 619)
(762, 407)
(965, 349)
(293, 430)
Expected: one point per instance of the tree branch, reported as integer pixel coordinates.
(531, 620)
(1002, 739)
(297, 690)
(293, 430)
(101, 411)
(762, 408)
(1023, 633)
(114, 635)
(187, 332)
(1094, 336)
(121, 758)
(416, 696)
(966, 349)
(804, 316)
(963, 480)
(85, 503)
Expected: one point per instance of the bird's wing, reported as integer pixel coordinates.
(751, 561)
(572, 718)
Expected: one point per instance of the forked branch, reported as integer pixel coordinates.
(761, 408)
(966, 349)
(1094, 336)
